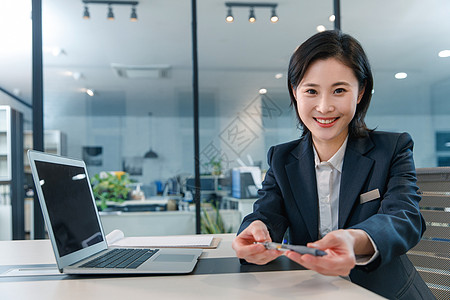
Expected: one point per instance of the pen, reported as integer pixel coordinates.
(296, 248)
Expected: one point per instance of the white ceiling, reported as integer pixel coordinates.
(235, 60)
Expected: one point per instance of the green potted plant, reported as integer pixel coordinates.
(215, 164)
(110, 186)
(212, 222)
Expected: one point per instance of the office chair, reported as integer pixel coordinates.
(431, 256)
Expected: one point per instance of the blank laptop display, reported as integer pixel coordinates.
(74, 227)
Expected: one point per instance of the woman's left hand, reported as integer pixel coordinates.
(340, 258)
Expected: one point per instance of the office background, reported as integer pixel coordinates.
(140, 74)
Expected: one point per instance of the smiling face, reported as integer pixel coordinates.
(327, 97)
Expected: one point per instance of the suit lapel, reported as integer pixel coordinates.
(302, 179)
(355, 172)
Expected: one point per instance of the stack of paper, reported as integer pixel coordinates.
(117, 239)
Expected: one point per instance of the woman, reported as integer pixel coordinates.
(341, 187)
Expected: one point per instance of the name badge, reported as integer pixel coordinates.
(369, 196)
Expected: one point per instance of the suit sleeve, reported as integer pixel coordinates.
(269, 208)
(398, 224)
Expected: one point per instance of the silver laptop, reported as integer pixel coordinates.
(74, 227)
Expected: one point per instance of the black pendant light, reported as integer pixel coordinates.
(150, 153)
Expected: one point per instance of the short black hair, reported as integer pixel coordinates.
(345, 48)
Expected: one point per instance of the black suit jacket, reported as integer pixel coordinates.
(381, 160)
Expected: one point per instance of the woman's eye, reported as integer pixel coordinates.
(311, 91)
(339, 90)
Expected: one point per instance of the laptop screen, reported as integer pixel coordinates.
(69, 204)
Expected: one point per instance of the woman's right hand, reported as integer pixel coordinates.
(245, 247)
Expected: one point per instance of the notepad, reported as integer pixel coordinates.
(117, 239)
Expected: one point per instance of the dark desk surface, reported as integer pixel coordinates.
(218, 275)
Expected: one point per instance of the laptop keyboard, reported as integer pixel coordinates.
(121, 258)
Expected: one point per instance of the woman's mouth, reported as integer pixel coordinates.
(326, 122)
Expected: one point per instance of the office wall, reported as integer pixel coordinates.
(268, 117)
(127, 137)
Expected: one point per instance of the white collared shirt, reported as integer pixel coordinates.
(328, 176)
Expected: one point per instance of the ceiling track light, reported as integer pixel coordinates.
(86, 14)
(251, 17)
(229, 18)
(251, 5)
(274, 18)
(110, 14)
(133, 16)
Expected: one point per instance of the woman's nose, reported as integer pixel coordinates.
(324, 105)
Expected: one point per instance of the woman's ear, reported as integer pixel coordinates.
(360, 94)
(294, 92)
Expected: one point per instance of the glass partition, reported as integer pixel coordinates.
(243, 68)
(407, 37)
(245, 106)
(15, 103)
(118, 94)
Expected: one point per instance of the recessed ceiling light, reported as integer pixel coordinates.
(76, 75)
(444, 53)
(90, 92)
(262, 91)
(373, 91)
(332, 18)
(279, 75)
(320, 28)
(401, 75)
